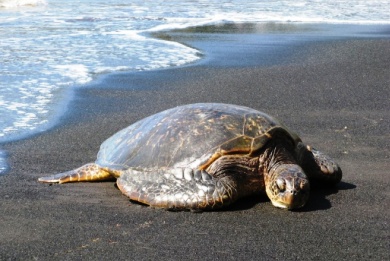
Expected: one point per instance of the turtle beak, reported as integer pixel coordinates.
(296, 199)
(290, 200)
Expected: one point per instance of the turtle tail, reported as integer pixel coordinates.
(88, 172)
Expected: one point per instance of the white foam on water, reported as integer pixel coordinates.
(3, 162)
(19, 3)
(78, 73)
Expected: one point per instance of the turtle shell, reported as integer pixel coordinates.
(190, 136)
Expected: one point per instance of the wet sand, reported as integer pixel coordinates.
(331, 88)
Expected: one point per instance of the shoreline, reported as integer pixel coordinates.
(311, 32)
(333, 93)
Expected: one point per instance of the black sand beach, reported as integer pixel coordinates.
(332, 90)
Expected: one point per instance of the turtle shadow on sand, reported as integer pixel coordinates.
(318, 197)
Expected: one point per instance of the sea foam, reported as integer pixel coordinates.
(19, 3)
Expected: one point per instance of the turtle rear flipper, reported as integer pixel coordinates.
(319, 167)
(178, 188)
(88, 172)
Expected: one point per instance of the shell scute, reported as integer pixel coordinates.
(257, 124)
(237, 145)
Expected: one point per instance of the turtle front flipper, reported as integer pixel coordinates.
(319, 167)
(178, 188)
(88, 172)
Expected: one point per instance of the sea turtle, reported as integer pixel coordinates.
(205, 156)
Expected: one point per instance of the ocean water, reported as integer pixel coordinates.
(50, 46)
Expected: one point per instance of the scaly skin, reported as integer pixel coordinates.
(321, 169)
(178, 189)
(88, 172)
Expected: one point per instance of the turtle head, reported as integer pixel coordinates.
(288, 186)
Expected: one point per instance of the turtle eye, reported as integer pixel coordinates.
(281, 184)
